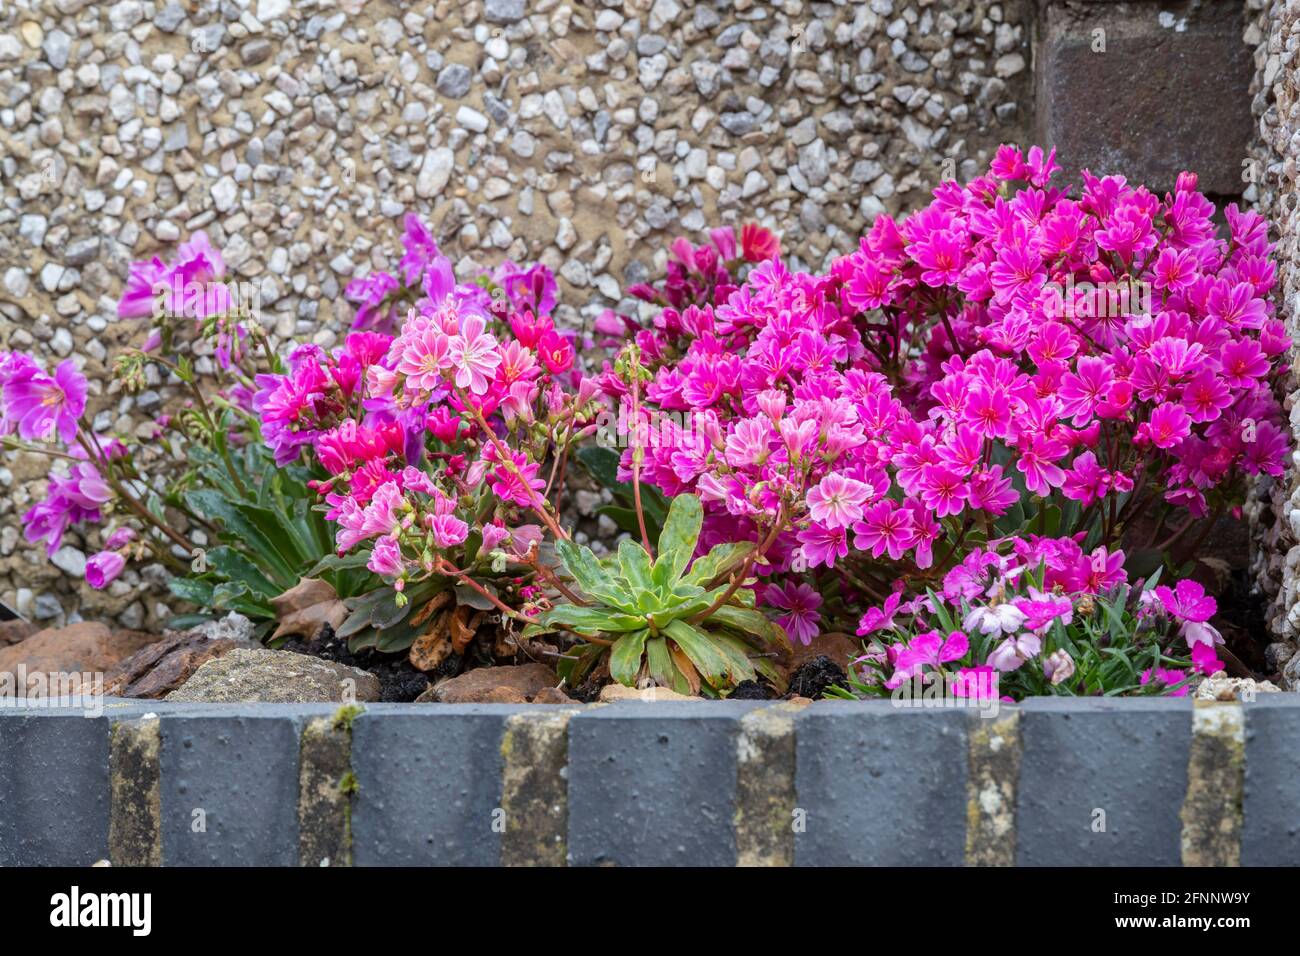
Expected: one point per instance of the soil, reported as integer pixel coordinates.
(1241, 622)
(812, 679)
(399, 682)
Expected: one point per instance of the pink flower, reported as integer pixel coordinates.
(42, 405)
(1168, 426)
(103, 568)
(1058, 667)
(1169, 677)
(931, 648)
(473, 355)
(556, 352)
(1187, 601)
(1082, 391)
(994, 619)
(424, 356)
(448, 531)
(386, 558)
(878, 619)
(1242, 362)
(836, 501)
(1204, 660)
(979, 683)
(884, 528)
(800, 602)
(1014, 651)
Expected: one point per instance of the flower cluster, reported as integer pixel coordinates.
(1004, 360)
(432, 434)
(1038, 615)
(36, 406)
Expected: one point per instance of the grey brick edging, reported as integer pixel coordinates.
(1051, 782)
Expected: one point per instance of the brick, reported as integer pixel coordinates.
(1271, 805)
(654, 784)
(1157, 101)
(429, 784)
(1127, 758)
(54, 792)
(880, 785)
(239, 767)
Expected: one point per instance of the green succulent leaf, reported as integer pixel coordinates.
(712, 664)
(591, 620)
(750, 622)
(634, 565)
(677, 542)
(625, 657)
(720, 560)
(592, 577)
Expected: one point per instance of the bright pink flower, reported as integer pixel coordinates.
(1187, 601)
(45, 406)
(878, 619)
(929, 648)
(884, 528)
(1168, 426)
(1204, 660)
(103, 568)
(556, 352)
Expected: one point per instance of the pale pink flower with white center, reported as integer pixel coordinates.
(1058, 667)
(473, 354)
(997, 619)
(836, 501)
(424, 358)
(1014, 651)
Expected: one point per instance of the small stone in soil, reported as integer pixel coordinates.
(399, 682)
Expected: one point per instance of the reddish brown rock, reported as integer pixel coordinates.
(157, 670)
(85, 648)
(515, 684)
(11, 632)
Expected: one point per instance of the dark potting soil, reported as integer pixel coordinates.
(754, 690)
(399, 682)
(812, 679)
(1241, 622)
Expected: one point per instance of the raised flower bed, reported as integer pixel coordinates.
(963, 480)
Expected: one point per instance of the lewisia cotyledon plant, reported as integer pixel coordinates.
(1006, 360)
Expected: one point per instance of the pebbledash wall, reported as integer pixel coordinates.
(1274, 30)
(583, 135)
(1052, 782)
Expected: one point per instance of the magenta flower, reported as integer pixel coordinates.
(1082, 391)
(884, 528)
(1168, 426)
(800, 603)
(929, 648)
(103, 568)
(1187, 601)
(43, 406)
(1168, 676)
(878, 619)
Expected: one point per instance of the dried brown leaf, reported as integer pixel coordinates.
(306, 607)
